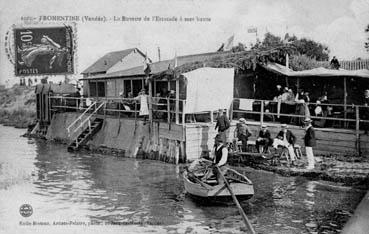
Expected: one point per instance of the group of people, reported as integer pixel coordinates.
(285, 138)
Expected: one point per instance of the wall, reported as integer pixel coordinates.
(128, 135)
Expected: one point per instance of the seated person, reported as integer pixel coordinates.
(263, 139)
(285, 138)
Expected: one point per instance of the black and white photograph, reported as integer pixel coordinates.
(184, 116)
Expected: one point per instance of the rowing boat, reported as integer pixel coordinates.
(240, 184)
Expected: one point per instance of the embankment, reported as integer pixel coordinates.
(125, 137)
(17, 106)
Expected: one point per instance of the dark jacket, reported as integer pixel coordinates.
(222, 123)
(242, 130)
(265, 134)
(309, 138)
(289, 135)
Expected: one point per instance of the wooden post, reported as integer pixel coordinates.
(287, 60)
(358, 150)
(262, 113)
(182, 152)
(345, 97)
(183, 112)
(168, 109)
(177, 101)
(150, 103)
(211, 117)
(231, 111)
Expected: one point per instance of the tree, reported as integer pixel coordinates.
(304, 46)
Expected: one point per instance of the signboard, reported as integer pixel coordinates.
(40, 51)
(252, 30)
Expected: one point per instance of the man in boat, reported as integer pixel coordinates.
(219, 155)
(263, 139)
(222, 124)
(242, 133)
(286, 138)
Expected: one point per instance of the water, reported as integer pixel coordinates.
(107, 194)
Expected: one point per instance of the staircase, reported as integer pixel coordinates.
(86, 135)
(89, 125)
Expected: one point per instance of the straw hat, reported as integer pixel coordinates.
(242, 120)
(308, 120)
(264, 126)
(284, 125)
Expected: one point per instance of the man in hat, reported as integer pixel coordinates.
(310, 142)
(285, 138)
(222, 124)
(264, 139)
(242, 133)
(219, 155)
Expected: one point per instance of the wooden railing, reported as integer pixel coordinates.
(349, 64)
(341, 116)
(85, 123)
(163, 109)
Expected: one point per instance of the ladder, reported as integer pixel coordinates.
(89, 126)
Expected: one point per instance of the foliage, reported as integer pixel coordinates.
(303, 62)
(367, 42)
(302, 46)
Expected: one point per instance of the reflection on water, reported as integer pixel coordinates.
(148, 196)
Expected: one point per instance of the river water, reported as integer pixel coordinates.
(92, 193)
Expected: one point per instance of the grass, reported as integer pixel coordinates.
(17, 106)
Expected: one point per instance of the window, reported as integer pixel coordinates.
(101, 89)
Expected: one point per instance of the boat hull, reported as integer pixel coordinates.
(241, 190)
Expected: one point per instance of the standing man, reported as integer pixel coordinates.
(310, 142)
(242, 133)
(264, 139)
(286, 139)
(222, 124)
(219, 155)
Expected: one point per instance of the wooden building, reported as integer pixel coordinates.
(96, 74)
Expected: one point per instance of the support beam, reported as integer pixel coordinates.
(345, 97)
(177, 101)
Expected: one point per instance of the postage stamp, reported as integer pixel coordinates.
(40, 51)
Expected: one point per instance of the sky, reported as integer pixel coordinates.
(339, 24)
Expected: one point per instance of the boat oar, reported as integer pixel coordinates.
(242, 213)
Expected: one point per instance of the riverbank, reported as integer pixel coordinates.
(17, 106)
(350, 172)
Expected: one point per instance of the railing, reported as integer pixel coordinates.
(79, 119)
(338, 115)
(349, 65)
(87, 120)
(163, 109)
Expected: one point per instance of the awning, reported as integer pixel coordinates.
(209, 89)
(320, 71)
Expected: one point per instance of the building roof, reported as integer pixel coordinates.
(239, 60)
(161, 66)
(108, 60)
